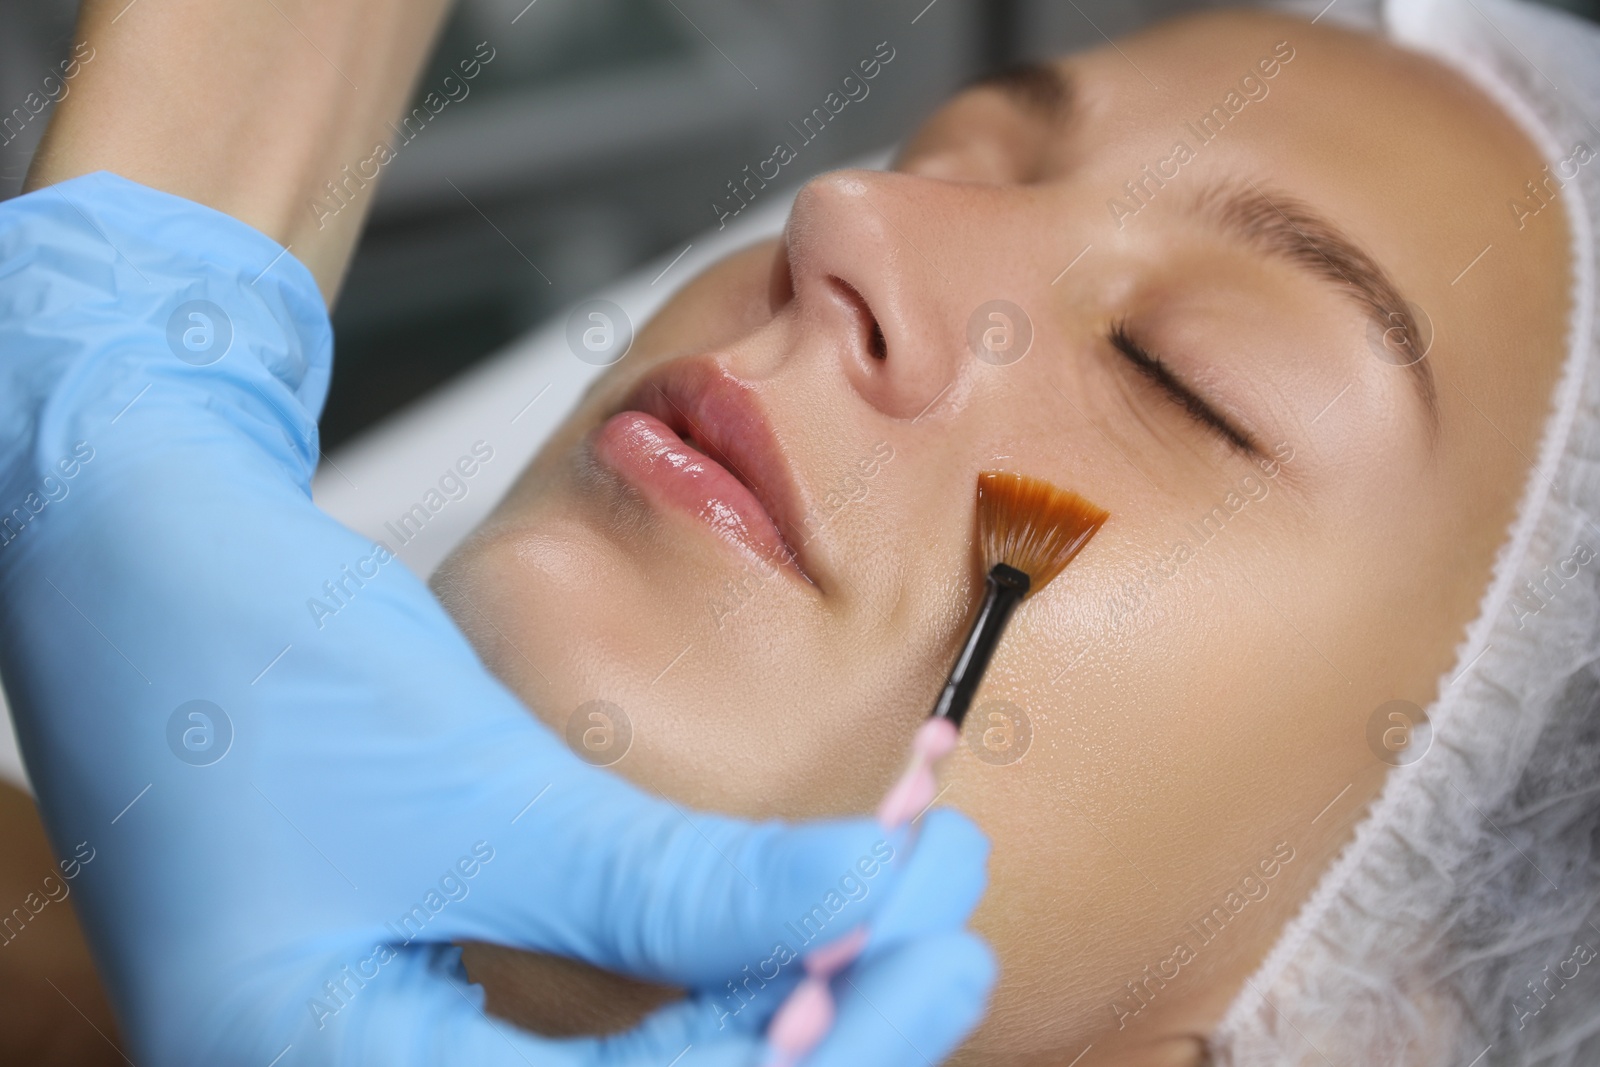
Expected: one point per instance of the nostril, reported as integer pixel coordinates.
(872, 331)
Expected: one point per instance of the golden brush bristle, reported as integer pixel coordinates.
(1031, 525)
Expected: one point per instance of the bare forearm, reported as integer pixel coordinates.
(246, 106)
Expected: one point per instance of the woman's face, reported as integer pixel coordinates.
(1226, 236)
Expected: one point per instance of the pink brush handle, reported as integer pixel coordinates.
(805, 1018)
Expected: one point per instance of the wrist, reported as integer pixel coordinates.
(248, 109)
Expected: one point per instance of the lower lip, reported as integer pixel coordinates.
(653, 459)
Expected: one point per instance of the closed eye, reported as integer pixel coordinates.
(1193, 404)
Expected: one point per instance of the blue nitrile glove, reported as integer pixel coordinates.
(275, 875)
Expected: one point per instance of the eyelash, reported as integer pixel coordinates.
(1158, 374)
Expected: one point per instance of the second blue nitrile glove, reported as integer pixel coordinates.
(280, 821)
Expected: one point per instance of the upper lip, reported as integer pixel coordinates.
(701, 400)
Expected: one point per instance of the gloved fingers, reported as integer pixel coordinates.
(944, 878)
(935, 895)
(700, 1029)
(419, 1009)
(688, 1033)
(658, 891)
(911, 1006)
(930, 897)
(698, 898)
(422, 1010)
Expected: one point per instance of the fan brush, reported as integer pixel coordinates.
(1028, 531)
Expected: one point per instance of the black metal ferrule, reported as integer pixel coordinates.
(1004, 589)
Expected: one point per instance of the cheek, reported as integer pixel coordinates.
(729, 299)
(710, 673)
(785, 709)
(1172, 746)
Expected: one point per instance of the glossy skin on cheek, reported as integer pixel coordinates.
(1197, 685)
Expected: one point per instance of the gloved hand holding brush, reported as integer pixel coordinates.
(294, 817)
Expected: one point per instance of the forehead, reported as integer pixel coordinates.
(1344, 112)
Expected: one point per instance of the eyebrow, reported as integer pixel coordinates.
(1043, 89)
(1289, 230)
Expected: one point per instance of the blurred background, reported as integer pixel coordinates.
(596, 139)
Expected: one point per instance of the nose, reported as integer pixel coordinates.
(858, 245)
